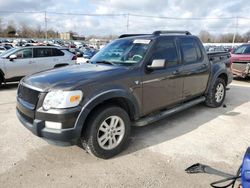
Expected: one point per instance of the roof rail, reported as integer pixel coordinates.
(131, 35)
(171, 32)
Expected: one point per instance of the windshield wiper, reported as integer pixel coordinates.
(104, 62)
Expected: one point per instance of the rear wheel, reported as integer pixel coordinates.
(107, 132)
(217, 94)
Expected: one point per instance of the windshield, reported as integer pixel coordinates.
(7, 53)
(245, 49)
(123, 52)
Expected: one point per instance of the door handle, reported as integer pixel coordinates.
(204, 66)
(31, 62)
(176, 72)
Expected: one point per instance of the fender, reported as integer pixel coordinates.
(101, 97)
(216, 72)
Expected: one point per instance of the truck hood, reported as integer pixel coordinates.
(240, 57)
(71, 76)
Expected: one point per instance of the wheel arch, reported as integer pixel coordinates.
(224, 77)
(116, 97)
(219, 74)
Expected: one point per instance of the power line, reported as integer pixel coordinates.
(20, 12)
(60, 13)
(182, 18)
(123, 14)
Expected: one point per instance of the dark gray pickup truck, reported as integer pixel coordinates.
(135, 80)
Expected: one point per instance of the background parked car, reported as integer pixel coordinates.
(2, 49)
(7, 46)
(216, 49)
(19, 62)
(240, 59)
(89, 53)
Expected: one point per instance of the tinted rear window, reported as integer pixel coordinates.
(42, 52)
(190, 50)
(56, 52)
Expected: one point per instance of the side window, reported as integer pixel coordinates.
(23, 54)
(166, 49)
(191, 50)
(56, 52)
(42, 52)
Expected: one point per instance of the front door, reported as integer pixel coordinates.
(163, 88)
(23, 65)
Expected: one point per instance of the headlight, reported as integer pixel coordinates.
(62, 99)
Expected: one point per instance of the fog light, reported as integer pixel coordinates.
(53, 125)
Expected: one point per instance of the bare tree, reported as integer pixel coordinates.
(205, 36)
(10, 31)
(247, 36)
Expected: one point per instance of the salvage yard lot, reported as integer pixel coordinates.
(156, 157)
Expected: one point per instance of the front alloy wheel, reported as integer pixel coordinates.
(107, 132)
(111, 132)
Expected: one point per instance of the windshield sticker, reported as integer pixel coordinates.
(141, 41)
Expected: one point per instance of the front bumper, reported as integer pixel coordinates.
(34, 120)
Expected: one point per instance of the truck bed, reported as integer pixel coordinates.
(216, 57)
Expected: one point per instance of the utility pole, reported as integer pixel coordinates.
(46, 25)
(236, 28)
(127, 22)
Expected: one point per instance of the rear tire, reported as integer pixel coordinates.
(107, 132)
(217, 94)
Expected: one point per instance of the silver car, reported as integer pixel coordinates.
(19, 62)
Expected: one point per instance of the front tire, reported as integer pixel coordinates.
(107, 132)
(1, 81)
(217, 94)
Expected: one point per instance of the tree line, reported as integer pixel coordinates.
(25, 31)
(208, 37)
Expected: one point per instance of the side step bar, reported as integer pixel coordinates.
(161, 115)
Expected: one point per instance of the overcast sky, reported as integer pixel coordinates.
(104, 25)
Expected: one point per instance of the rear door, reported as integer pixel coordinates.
(163, 88)
(59, 57)
(44, 59)
(195, 68)
(23, 65)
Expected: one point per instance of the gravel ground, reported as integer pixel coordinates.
(156, 157)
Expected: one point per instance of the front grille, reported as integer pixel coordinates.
(241, 66)
(27, 94)
(27, 118)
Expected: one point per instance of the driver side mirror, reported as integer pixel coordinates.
(157, 64)
(12, 57)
